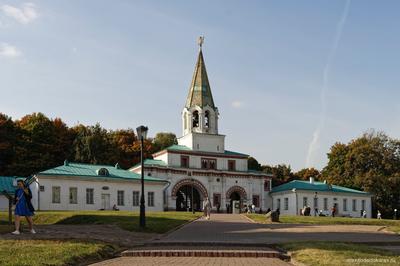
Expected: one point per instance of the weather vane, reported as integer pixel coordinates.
(200, 41)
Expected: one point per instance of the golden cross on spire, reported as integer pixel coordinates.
(200, 41)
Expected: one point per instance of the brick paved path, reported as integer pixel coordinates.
(184, 261)
(231, 228)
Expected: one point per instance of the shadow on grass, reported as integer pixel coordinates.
(334, 247)
(130, 223)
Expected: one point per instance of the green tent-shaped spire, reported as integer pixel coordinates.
(200, 90)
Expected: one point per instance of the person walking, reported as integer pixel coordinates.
(364, 214)
(23, 207)
(207, 208)
(379, 215)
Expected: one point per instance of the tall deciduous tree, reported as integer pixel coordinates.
(163, 140)
(8, 133)
(370, 162)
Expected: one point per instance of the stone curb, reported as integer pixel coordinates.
(248, 218)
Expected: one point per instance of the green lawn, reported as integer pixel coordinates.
(156, 222)
(292, 219)
(325, 253)
(52, 252)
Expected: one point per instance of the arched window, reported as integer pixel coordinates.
(103, 172)
(196, 119)
(207, 119)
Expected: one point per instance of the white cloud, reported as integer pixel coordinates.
(7, 50)
(24, 15)
(237, 104)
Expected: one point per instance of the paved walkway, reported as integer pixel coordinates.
(235, 229)
(184, 261)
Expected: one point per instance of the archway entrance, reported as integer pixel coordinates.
(184, 199)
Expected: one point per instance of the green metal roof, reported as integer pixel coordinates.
(185, 148)
(91, 170)
(316, 186)
(200, 90)
(7, 184)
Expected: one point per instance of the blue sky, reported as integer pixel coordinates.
(126, 63)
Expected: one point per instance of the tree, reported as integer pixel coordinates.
(371, 163)
(306, 173)
(163, 140)
(282, 173)
(253, 164)
(94, 145)
(7, 144)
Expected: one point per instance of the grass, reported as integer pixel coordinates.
(393, 225)
(52, 252)
(156, 222)
(326, 253)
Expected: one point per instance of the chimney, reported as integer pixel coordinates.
(311, 180)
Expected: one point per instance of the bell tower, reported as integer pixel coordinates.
(200, 115)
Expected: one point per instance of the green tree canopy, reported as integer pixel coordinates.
(163, 140)
(371, 163)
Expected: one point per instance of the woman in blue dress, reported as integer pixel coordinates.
(23, 207)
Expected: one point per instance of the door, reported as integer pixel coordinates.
(105, 201)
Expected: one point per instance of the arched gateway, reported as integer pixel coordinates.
(187, 189)
(236, 193)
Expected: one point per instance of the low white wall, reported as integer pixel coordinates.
(45, 197)
(331, 197)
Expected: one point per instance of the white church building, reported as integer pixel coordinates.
(200, 166)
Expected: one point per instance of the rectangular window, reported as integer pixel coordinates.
(41, 188)
(345, 205)
(184, 161)
(208, 163)
(150, 199)
(267, 185)
(286, 203)
(325, 204)
(120, 198)
(216, 199)
(135, 201)
(305, 201)
(89, 196)
(231, 165)
(354, 205)
(363, 205)
(315, 203)
(56, 191)
(278, 203)
(73, 195)
(256, 200)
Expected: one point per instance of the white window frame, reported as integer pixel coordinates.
(345, 205)
(354, 207)
(73, 198)
(89, 196)
(135, 198)
(56, 198)
(120, 198)
(286, 204)
(150, 199)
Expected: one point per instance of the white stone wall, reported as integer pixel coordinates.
(252, 186)
(174, 160)
(203, 142)
(330, 196)
(45, 197)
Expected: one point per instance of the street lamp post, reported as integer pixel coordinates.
(192, 196)
(142, 133)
